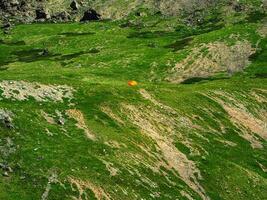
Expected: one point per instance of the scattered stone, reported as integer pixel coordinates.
(51, 180)
(6, 118)
(90, 15)
(5, 174)
(6, 168)
(45, 52)
(7, 27)
(7, 147)
(61, 120)
(22, 90)
(9, 169)
(61, 17)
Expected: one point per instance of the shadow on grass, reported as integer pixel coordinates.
(194, 80)
(180, 44)
(33, 55)
(73, 34)
(12, 43)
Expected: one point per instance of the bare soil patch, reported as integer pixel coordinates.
(48, 118)
(78, 116)
(246, 121)
(146, 95)
(208, 59)
(159, 128)
(108, 111)
(82, 186)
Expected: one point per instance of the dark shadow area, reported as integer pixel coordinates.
(129, 24)
(194, 80)
(257, 55)
(33, 55)
(261, 75)
(3, 68)
(75, 55)
(151, 34)
(180, 44)
(73, 34)
(255, 16)
(12, 43)
(3, 64)
(90, 15)
(182, 31)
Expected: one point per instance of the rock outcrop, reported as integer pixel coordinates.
(90, 15)
(80, 10)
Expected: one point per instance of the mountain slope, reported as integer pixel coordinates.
(194, 126)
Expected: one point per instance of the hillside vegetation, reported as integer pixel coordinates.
(194, 126)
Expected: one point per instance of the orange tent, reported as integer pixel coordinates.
(132, 83)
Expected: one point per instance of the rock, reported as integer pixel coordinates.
(74, 5)
(9, 169)
(8, 123)
(6, 25)
(41, 14)
(6, 174)
(6, 118)
(90, 15)
(2, 165)
(45, 52)
(14, 3)
(237, 7)
(62, 17)
(4, 5)
(61, 121)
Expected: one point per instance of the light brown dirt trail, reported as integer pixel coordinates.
(147, 122)
(82, 186)
(247, 122)
(108, 111)
(78, 116)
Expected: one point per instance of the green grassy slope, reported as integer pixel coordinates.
(203, 138)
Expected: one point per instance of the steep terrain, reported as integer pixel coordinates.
(27, 11)
(193, 126)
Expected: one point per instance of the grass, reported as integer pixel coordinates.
(97, 59)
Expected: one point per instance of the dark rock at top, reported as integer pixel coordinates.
(74, 5)
(41, 14)
(3, 5)
(90, 15)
